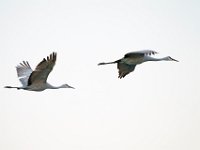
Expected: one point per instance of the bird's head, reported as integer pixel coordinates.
(171, 59)
(66, 86)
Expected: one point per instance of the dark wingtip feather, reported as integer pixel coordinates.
(53, 56)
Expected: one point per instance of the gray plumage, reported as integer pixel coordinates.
(37, 80)
(128, 63)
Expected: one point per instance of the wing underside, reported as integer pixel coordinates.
(124, 69)
(23, 72)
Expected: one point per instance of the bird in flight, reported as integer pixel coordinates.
(37, 80)
(128, 63)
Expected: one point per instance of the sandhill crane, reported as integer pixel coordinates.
(36, 80)
(130, 60)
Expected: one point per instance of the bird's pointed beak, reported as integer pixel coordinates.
(174, 59)
(71, 87)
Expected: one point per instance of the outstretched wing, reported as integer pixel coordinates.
(138, 54)
(124, 69)
(41, 72)
(23, 72)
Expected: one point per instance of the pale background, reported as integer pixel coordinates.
(157, 107)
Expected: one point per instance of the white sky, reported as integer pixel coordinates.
(155, 107)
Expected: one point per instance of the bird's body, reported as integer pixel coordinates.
(37, 80)
(128, 63)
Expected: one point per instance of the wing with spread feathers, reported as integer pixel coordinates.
(41, 72)
(142, 53)
(23, 72)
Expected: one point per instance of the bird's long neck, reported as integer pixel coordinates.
(49, 86)
(156, 59)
